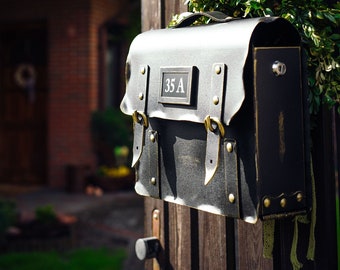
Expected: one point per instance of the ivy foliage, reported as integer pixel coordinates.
(318, 25)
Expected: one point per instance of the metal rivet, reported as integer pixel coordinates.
(155, 215)
(141, 96)
(266, 202)
(216, 100)
(218, 69)
(142, 70)
(153, 180)
(229, 147)
(279, 68)
(283, 203)
(152, 137)
(299, 197)
(231, 198)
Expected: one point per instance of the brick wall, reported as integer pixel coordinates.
(72, 73)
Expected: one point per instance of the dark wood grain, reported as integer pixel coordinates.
(152, 16)
(249, 247)
(149, 206)
(171, 8)
(212, 241)
(179, 235)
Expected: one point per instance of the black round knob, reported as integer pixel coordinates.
(147, 248)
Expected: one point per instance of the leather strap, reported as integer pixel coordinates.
(140, 120)
(231, 166)
(215, 16)
(213, 123)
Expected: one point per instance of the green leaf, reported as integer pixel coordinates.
(319, 15)
(269, 12)
(335, 37)
(330, 17)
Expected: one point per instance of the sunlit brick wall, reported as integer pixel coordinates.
(74, 82)
(69, 77)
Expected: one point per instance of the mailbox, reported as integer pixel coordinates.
(220, 120)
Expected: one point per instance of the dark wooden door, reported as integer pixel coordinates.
(23, 94)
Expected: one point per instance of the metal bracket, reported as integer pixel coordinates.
(232, 178)
(156, 232)
(283, 204)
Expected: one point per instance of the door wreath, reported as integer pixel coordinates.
(25, 75)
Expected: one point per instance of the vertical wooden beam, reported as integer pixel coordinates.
(212, 241)
(181, 237)
(323, 159)
(249, 247)
(181, 222)
(149, 206)
(178, 232)
(152, 14)
(336, 140)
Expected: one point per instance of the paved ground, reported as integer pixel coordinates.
(114, 220)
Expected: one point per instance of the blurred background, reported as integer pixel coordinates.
(64, 144)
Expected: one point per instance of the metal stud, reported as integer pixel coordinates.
(152, 137)
(299, 197)
(230, 147)
(141, 96)
(218, 69)
(266, 202)
(216, 100)
(283, 203)
(142, 70)
(279, 68)
(155, 215)
(153, 181)
(231, 198)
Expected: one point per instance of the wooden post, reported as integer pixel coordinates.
(194, 240)
(249, 246)
(324, 151)
(176, 220)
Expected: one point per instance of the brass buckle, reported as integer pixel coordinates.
(140, 118)
(212, 124)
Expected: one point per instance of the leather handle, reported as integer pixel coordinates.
(215, 16)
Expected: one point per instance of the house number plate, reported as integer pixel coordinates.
(176, 85)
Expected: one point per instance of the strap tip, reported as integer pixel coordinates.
(209, 176)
